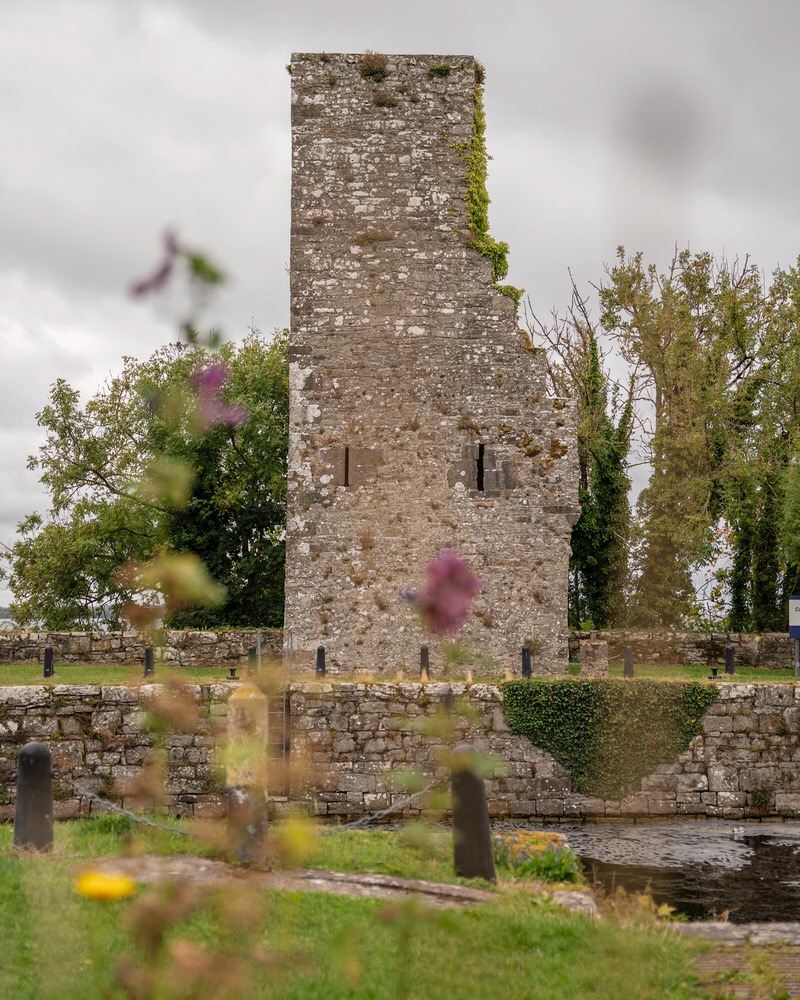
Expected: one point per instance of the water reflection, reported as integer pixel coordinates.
(705, 869)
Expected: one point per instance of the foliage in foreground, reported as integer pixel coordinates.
(609, 734)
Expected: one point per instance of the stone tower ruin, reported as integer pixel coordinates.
(419, 419)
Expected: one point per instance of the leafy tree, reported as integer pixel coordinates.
(235, 517)
(713, 353)
(716, 352)
(699, 340)
(161, 460)
(600, 539)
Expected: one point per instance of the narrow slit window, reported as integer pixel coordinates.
(346, 466)
(480, 467)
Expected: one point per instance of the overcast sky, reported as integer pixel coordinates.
(647, 123)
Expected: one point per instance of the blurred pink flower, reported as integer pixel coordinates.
(209, 381)
(153, 282)
(450, 588)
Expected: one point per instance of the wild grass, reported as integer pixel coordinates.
(56, 944)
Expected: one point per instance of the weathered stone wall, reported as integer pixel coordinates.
(746, 761)
(99, 742)
(179, 648)
(774, 650)
(418, 420)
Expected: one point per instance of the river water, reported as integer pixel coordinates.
(705, 869)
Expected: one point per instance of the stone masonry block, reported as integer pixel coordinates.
(723, 778)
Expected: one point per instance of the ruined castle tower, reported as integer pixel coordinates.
(419, 419)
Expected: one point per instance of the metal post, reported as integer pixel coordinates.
(526, 662)
(627, 669)
(320, 662)
(33, 814)
(730, 657)
(48, 662)
(149, 669)
(472, 835)
(424, 664)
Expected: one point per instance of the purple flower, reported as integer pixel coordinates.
(450, 588)
(153, 282)
(209, 381)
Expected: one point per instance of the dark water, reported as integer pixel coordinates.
(705, 869)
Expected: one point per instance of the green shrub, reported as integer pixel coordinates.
(544, 856)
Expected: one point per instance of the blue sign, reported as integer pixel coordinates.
(794, 617)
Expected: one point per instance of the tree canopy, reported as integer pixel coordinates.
(712, 351)
(182, 455)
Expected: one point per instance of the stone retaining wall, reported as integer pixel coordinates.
(772, 650)
(746, 762)
(181, 648)
(100, 742)
(358, 737)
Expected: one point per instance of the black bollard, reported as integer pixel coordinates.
(472, 836)
(320, 663)
(149, 670)
(730, 656)
(526, 662)
(252, 658)
(424, 664)
(33, 815)
(48, 662)
(232, 674)
(627, 670)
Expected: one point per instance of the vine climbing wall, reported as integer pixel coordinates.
(419, 419)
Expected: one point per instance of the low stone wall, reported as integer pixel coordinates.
(100, 744)
(229, 647)
(773, 650)
(357, 737)
(181, 648)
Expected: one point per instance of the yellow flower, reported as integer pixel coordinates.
(104, 886)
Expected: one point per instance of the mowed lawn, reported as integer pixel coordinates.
(94, 674)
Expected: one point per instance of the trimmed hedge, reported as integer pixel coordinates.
(609, 734)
